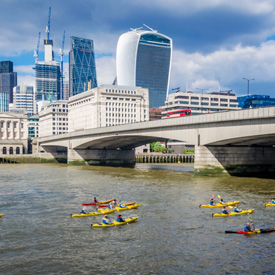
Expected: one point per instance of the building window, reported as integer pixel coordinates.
(11, 151)
(9, 124)
(4, 150)
(17, 150)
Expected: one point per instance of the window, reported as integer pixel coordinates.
(9, 124)
(17, 151)
(11, 151)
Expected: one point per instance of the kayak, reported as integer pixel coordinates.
(218, 205)
(127, 204)
(258, 231)
(107, 211)
(270, 204)
(1, 215)
(127, 220)
(123, 208)
(96, 203)
(249, 211)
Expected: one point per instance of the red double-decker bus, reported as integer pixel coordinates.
(179, 113)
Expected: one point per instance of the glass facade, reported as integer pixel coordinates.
(255, 101)
(47, 79)
(6, 66)
(144, 60)
(82, 69)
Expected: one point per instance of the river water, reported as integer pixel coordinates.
(172, 235)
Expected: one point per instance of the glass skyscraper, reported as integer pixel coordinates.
(47, 75)
(8, 80)
(82, 69)
(144, 59)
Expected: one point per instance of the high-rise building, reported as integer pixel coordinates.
(255, 101)
(47, 75)
(82, 69)
(8, 80)
(24, 99)
(65, 95)
(143, 59)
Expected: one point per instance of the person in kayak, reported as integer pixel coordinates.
(119, 218)
(122, 205)
(273, 201)
(236, 209)
(106, 220)
(248, 228)
(112, 204)
(212, 202)
(224, 210)
(84, 210)
(222, 202)
(95, 200)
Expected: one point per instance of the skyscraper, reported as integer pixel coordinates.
(47, 75)
(143, 58)
(82, 69)
(8, 80)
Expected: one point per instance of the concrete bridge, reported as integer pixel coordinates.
(234, 142)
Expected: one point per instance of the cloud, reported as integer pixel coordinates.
(223, 67)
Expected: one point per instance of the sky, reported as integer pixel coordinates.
(216, 43)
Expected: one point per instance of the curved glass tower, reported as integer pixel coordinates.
(143, 59)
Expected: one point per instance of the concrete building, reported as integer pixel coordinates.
(143, 59)
(47, 75)
(201, 103)
(24, 99)
(82, 69)
(108, 105)
(13, 134)
(65, 91)
(53, 119)
(8, 80)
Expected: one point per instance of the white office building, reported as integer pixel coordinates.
(53, 119)
(108, 105)
(24, 99)
(200, 103)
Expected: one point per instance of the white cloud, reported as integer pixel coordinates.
(223, 67)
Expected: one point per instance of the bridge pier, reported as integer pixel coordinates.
(235, 161)
(103, 157)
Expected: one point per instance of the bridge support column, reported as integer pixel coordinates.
(101, 157)
(235, 161)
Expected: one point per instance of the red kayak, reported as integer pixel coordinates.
(127, 204)
(257, 231)
(96, 203)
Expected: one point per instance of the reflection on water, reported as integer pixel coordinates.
(172, 236)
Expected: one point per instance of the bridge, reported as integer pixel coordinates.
(233, 142)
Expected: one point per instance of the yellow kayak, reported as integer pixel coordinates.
(117, 208)
(218, 205)
(1, 215)
(128, 220)
(249, 211)
(269, 204)
(107, 211)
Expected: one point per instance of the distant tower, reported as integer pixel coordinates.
(82, 69)
(143, 58)
(8, 80)
(47, 73)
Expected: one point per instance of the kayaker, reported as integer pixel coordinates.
(84, 210)
(248, 228)
(112, 204)
(95, 200)
(212, 202)
(236, 209)
(122, 205)
(106, 220)
(224, 210)
(222, 202)
(120, 219)
(273, 201)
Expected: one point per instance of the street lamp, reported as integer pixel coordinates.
(248, 80)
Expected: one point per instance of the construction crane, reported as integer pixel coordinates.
(37, 48)
(61, 53)
(48, 28)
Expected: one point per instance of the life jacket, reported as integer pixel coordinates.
(122, 205)
(105, 221)
(83, 211)
(119, 219)
(224, 211)
(211, 203)
(247, 228)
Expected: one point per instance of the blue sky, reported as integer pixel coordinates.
(216, 43)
